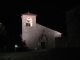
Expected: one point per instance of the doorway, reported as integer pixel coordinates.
(43, 45)
(43, 41)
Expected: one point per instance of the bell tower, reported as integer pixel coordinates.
(28, 19)
(28, 22)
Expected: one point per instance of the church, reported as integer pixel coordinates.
(35, 35)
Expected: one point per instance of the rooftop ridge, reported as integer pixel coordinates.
(28, 13)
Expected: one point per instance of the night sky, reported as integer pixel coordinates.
(51, 14)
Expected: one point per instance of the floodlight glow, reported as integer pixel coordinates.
(16, 46)
(29, 20)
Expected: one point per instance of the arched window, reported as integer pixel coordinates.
(29, 21)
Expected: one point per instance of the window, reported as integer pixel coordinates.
(29, 21)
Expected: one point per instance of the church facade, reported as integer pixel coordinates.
(36, 35)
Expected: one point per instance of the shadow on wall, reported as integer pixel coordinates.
(61, 42)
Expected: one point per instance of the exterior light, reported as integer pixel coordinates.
(16, 46)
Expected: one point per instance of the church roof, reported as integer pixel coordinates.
(29, 14)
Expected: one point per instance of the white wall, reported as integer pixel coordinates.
(32, 34)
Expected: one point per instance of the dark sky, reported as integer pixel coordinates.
(51, 14)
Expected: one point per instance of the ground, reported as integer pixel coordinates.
(42, 55)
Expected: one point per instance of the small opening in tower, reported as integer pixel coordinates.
(29, 22)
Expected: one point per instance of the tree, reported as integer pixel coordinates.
(3, 36)
(2, 30)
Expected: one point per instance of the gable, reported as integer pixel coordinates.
(48, 30)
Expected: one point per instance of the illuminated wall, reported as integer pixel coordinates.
(31, 34)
